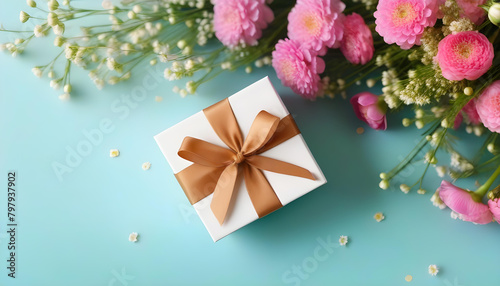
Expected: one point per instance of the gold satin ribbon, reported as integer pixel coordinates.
(216, 169)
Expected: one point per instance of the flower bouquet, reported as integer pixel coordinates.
(436, 56)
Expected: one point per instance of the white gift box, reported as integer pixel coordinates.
(246, 104)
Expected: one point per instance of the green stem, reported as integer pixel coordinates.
(486, 186)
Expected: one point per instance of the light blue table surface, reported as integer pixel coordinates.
(73, 229)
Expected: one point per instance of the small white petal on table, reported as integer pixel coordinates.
(146, 166)
(133, 237)
(114, 153)
(379, 217)
(343, 240)
(433, 269)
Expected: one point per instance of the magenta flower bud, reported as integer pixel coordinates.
(369, 108)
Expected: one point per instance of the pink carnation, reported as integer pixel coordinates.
(461, 201)
(470, 9)
(298, 68)
(317, 24)
(403, 21)
(357, 44)
(495, 208)
(488, 107)
(240, 21)
(465, 55)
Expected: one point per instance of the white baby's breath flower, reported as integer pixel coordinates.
(39, 31)
(191, 87)
(437, 202)
(248, 69)
(370, 83)
(58, 29)
(51, 74)
(23, 17)
(55, 84)
(59, 41)
(379, 217)
(441, 171)
(189, 64)
(343, 240)
(133, 237)
(433, 270)
(53, 5)
(137, 9)
(146, 166)
(183, 93)
(106, 4)
(37, 71)
(421, 191)
(65, 96)
(131, 15)
(384, 184)
(31, 3)
(67, 88)
(404, 188)
(114, 153)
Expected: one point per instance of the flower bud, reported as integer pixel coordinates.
(52, 19)
(53, 5)
(384, 184)
(406, 122)
(67, 88)
(31, 3)
(24, 17)
(494, 14)
(59, 41)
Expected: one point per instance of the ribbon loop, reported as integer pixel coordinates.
(204, 153)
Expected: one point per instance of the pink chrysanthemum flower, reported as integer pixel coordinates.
(357, 44)
(462, 202)
(465, 55)
(470, 9)
(317, 24)
(240, 21)
(403, 21)
(488, 107)
(298, 68)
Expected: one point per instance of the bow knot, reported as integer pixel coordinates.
(215, 169)
(239, 157)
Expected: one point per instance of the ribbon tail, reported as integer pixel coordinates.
(223, 192)
(261, 193)
(280, 167)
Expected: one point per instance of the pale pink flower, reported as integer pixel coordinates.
(464, 55)
(317, 24)
(461, 201)
(403, 21)
(240, 21)
(367, 107)
(298, 68)
(357, 44)
(495, 208)
(488, 107)
(470, 9)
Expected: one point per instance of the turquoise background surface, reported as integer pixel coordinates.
(73, 229)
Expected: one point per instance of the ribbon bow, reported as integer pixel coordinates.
(216, 168)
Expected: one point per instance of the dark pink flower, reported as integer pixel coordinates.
(495, 208)
(357, 44)
(471, 115)
(462, 202)
(367, 107)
